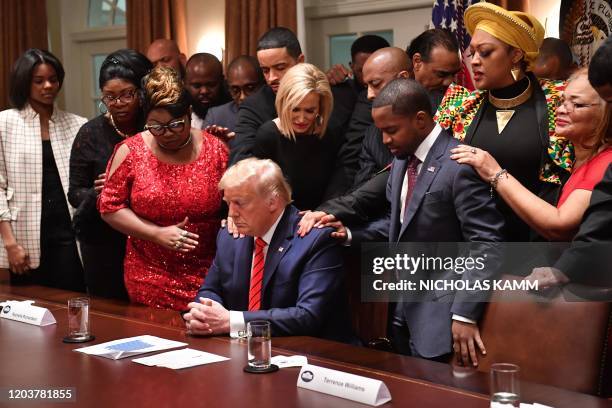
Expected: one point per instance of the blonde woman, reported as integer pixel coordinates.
(307, 150)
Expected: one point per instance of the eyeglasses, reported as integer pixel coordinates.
(125, 97)
(176, 126)
(570, 106)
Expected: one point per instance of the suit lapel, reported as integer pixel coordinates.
(279, 245)
(242, 273)
(430, 168)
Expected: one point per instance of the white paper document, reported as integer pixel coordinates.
(131, 346)
(289, 361)
(178, 359)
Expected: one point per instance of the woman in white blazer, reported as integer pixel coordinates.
(39, 246)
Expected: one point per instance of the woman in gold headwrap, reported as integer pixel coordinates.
(511, 115)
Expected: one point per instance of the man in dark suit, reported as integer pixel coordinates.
(205, 83)
(347, 83)
(432, 59)
(270, 274)
(431, 199)
(244, 78)
(277, 51)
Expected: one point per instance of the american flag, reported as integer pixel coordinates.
(448, 15)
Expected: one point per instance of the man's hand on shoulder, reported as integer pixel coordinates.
(207, 318)
(320, 219)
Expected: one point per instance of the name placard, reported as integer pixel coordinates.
(25, 312)
(344, 385)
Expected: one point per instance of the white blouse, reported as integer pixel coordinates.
(21, 170)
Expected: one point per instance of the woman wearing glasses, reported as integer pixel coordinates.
(39, 246)
(102, 247)
(161, 191)
(583, 118)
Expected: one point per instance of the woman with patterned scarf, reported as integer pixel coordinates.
(511, 115)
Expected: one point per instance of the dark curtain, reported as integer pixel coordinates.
(23, 25)
(149, 20)
(247, 20)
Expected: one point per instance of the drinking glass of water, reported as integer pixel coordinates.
(259, 343)
(78, 321)
(505, 386)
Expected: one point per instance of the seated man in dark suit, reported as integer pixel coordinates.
(270, 274)
(244, 78)
(431, 199)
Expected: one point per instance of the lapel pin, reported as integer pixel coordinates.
(280, 249)
(431, 169)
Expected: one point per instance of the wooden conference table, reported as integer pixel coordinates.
(35, 357)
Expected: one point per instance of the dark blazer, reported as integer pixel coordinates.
(588, 259)
(359, 121)
(225, 115)
(374, 156)
(450, 203)
(302, 291)
(254, 111)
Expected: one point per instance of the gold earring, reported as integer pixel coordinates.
(515, 72)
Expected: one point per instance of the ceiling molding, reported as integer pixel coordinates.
(317, 9)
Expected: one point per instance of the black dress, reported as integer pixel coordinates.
(102, 247)
(519, 149)
(314, 167)
(60, 266)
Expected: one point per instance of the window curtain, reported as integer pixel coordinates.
(149, 20)
(247, 20)
(23, 25)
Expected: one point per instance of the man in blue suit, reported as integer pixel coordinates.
(432, 199)
(270, 273)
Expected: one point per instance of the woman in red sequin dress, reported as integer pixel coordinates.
(161, 191)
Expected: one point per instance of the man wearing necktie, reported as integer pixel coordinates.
(432, 199)
(270, 273)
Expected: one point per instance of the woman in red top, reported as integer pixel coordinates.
(161, 191)
(584, 119)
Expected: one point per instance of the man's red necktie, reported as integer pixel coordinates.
(257, 275)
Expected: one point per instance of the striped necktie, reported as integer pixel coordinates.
(257, 275)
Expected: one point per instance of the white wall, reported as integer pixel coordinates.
(406, 24)
(205, 27)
